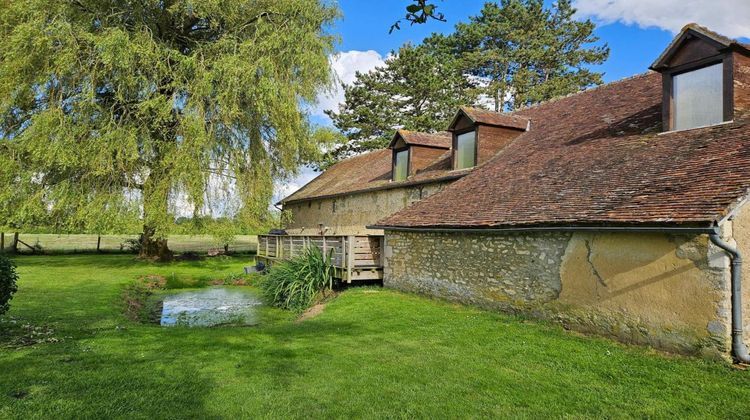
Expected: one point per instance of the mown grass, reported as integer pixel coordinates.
(371, 353)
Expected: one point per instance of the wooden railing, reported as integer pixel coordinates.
(353, 257)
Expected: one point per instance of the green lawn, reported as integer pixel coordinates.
(371, 353)
(82, 243)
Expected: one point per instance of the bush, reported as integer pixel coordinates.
(138, 305)
(295, 284)
(133, 245)
(8, 278)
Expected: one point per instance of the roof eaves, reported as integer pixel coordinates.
(392, 185)
(695, 227)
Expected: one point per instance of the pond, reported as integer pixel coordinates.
(210, 307)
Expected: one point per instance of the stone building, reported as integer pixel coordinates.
(614, 211)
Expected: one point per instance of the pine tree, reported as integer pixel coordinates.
(415, 90)
(522, 52)
(513, 54)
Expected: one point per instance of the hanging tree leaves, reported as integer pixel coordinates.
(109, 109)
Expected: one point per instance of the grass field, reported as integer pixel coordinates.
(371, 353)
(82, 243)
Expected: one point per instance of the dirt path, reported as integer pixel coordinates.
(312, 312)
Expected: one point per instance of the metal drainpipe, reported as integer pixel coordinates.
(739, 349)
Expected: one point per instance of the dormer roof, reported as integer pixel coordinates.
(440, 140)
(693, 31)
(495, 119)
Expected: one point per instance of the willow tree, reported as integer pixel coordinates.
(113, 108)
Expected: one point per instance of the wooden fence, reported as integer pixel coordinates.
(354, 257)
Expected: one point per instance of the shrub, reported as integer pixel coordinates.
(133, 245)
(138, 305)
(296, 283)
(8, 278)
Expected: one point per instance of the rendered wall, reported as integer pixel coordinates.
(667, 291)
(350, 214)
(740, 230)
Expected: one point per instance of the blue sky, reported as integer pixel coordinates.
(365, 27)
(637, 31)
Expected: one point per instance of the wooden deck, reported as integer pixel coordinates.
(355, 258)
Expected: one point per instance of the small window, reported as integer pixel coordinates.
(698, 98)
(466, 151)
(401, 165)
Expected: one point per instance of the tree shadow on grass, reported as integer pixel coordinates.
(76, 380)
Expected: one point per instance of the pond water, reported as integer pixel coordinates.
(211, 306)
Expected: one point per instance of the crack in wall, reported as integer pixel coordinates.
(591, 263)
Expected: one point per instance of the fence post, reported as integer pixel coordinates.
(2, 241)
(350, 242)
(14, 245)
(98, 243)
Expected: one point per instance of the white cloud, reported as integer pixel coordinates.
(727, 17)
(346, 64)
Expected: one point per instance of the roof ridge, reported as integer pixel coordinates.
(427, 133)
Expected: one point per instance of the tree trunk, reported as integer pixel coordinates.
(153, 247)
(154, 207)
(14, 244)
(2, 242)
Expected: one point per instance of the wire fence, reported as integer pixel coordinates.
(40, 243)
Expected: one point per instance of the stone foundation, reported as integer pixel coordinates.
(671, 292)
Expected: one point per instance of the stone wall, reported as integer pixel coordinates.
(350, 214)
(667, 291)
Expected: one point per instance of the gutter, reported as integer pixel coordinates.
(633, 229)
(739, 348)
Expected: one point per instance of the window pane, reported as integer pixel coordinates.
(698, 98)
(401, 165)
(465, 150)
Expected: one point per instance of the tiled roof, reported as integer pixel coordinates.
(441, 140)
(597, 158)
(367, 172)
(482, 116)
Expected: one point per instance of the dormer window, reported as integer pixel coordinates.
(478, 135)
(400, 164)
(698, 79)
(466, 150)
(414, 152)
(697, 97)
